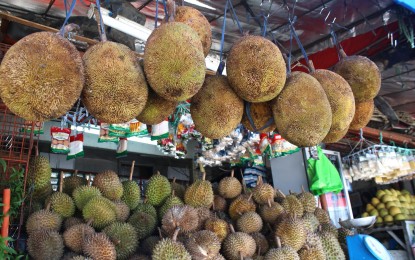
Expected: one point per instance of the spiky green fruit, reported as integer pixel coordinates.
(291, 232)
(199, 194)
(147, 208)
(98, 246)
(75, 236)
(101, 211)
(124, 237)
(282, 253)
(132, 194)
(39, 172)
(293, 206)
(158, 189)
(62, 204)
(144, 224)
(308, 201)
(109, 184)
(45, 244)
(238, 245)
(71, 183)
(83, 194)
(310, 222)
(171, 201)
(43, 220)
(170, 249)
(331, 246)
(203, 245)
(122, 210)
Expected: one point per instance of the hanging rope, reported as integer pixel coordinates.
(300, 45)
(68, 14)
(221, 66)
(235, 17)
(101, 22)
(251, 120)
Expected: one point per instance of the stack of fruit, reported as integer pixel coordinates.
(107, 220)
(391, 206)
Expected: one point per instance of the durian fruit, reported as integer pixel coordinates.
(41, 194)
(241, 204)
(310, 222)
(109, 184)
(203, 214)
(131, 191)
(256, 69)
(200, 193)
(203, 245)
(218, 226)
(31, 82)
(362, 75)
(313, 240)
(83, 194)
(115, 88)
(61, 203)
(74, 236)
(121, 210)
(157, 109)
(271, 211)
(329, 227)
(249, 222)
(219, 203)
(238, 245)
(261, 242)
(216, 109)
(99, 246)
(335, 136)
(124, 237)
(279, 196)
(39, 172)
(308, 201)
(340, 96)
(261, 114)
(311, 253)
(178, 188)
(322, 216)
(72, 182)
(144, 224)
(43, 220)
(146, 208)
(230, 187)
(282, 252)
(71, 221)
(343, 233)
(291, 231)
(363, 114)
(183, 217)
(174, 63)
(293, 206)
(171, 201)
(170, 249)
(198, 22)
(158, 189)
(263, 192)
(101, 211)
(45, 244)
(148, 244)
(331, 246)
(302, 111)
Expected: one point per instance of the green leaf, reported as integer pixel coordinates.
(4, 164)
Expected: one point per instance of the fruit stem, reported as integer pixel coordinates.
(61, 182)
(176, 232)
(232, 173)
(132, 170)
(89, 180)
(241, 255)
(269, 203)
(37, 150)
(302, 188)
(231, 228)
(160, 235)
(312, 69)
(213, 205)
(172, 193)
(342, 54)
(75, 173)
(89, 223)
(174, 180)
(48, 206)
(250, 197)
(278, 241)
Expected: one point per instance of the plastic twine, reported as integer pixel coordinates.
(300, 45)
(68, 14)
(102, 33)
(221, 66)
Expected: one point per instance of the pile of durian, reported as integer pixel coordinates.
(108, 220)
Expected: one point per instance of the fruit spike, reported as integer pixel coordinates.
(61, 182)
(132, 171)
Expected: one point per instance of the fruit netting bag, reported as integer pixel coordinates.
(323, 175)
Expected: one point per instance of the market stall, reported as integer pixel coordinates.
(207, 129)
